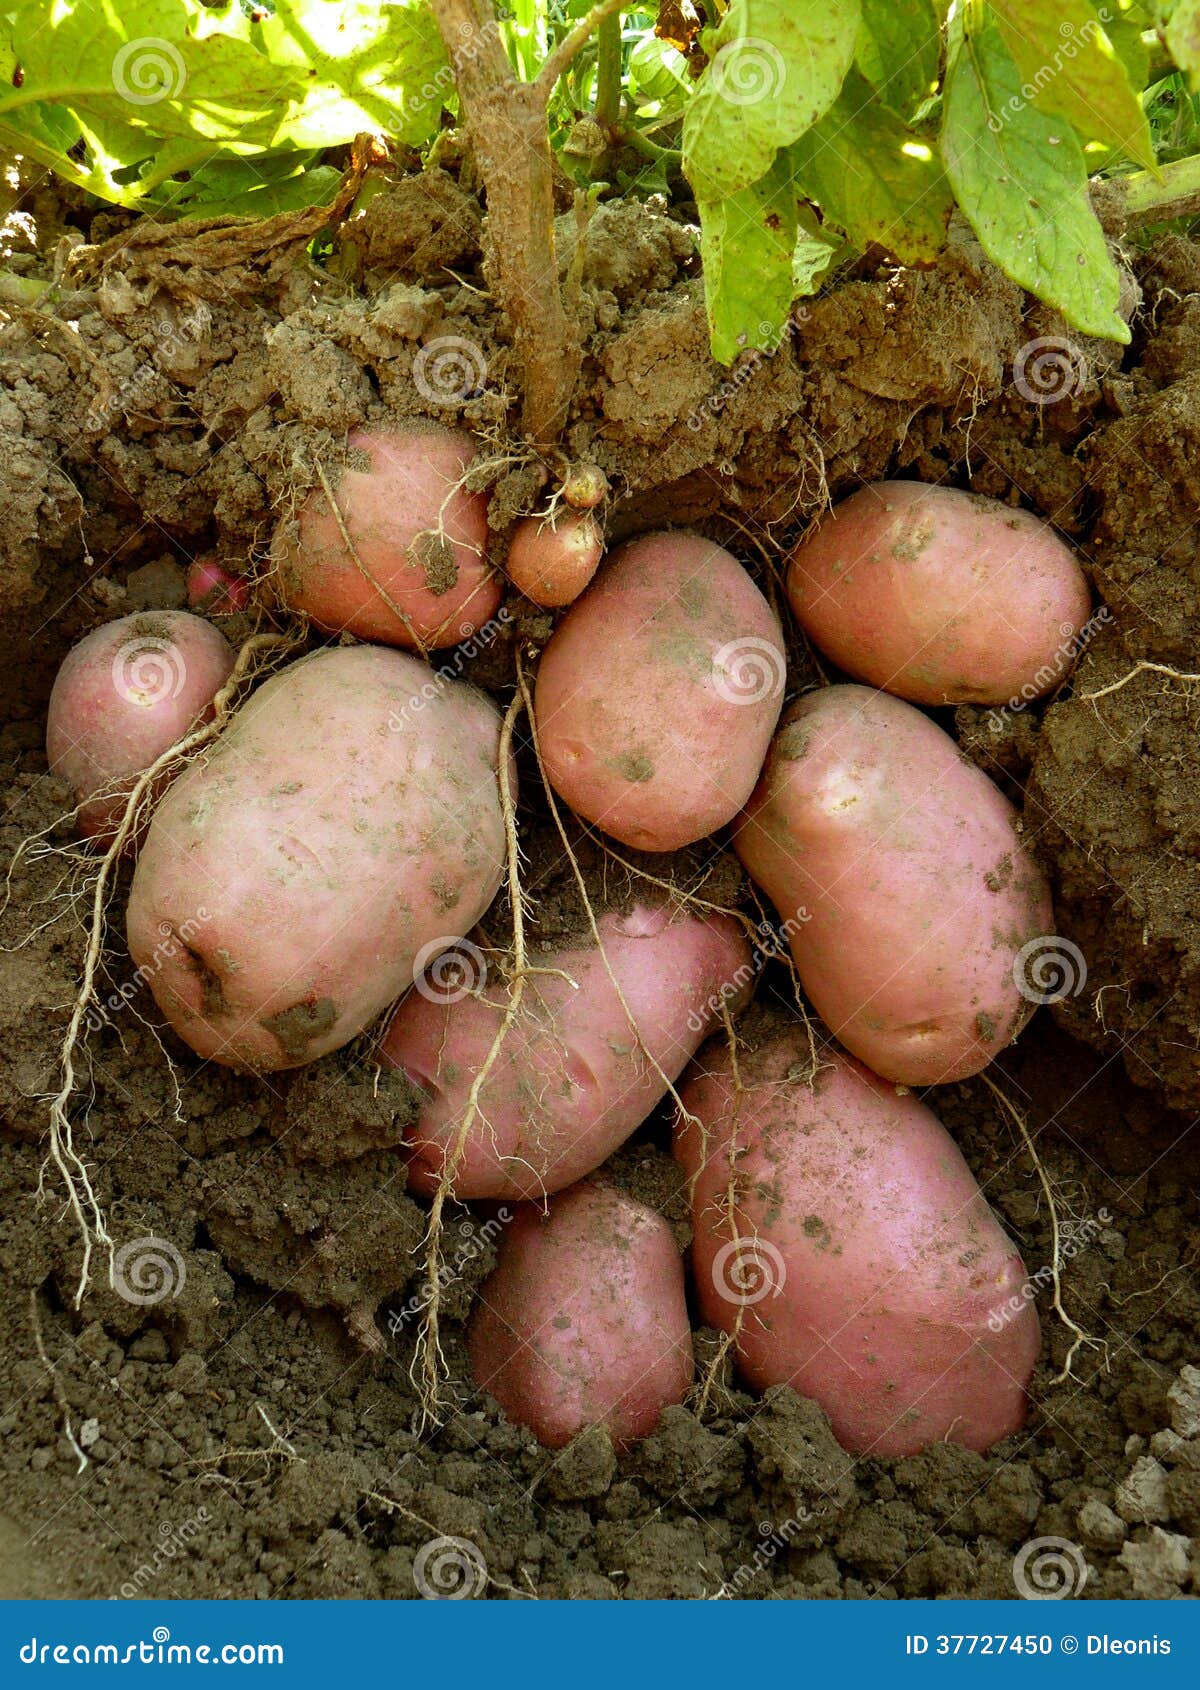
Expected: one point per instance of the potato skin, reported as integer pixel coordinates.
(343, 821)
(584, 1320)
(658, 692)
(571, 1082)
(424, 544)
(906, 889)
(125, 694)
(940, 596)
(552, 562)
(867, 1269)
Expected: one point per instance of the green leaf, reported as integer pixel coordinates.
(377, 67)
(180, 82)
(776, 67)
(261, 187)
(1127, 35)
(898, 51)
(875, 178)
(746, 246)
(1021, 181)
(657, 74)
(161, 66)
(1180, 25)
(1071, 68)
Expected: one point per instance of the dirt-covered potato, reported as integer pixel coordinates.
(551, 561)
(843, 1242)
(940, 596)
(124, 695)
(573, 1078)
(344, 825)
(657, 694)
(906, 892)
(584, 1320)
(419, 536)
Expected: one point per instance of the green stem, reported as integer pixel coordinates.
(1150, 198)
(1161, 62)
(648, 148)
(608, 71)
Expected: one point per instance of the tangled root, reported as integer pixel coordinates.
(62, 1155)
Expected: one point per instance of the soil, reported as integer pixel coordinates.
(241, 1420)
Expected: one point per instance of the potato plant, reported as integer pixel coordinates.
(353, 819)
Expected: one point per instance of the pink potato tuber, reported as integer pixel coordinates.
(909, 901)
(940, 596)
(572, 1079)
(584, 1320)
(125, 694)
(842, 1241)
(658, 693)
(346, 821)
(551, 561)
(216, 590)
(585, 486)
(415, 570)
